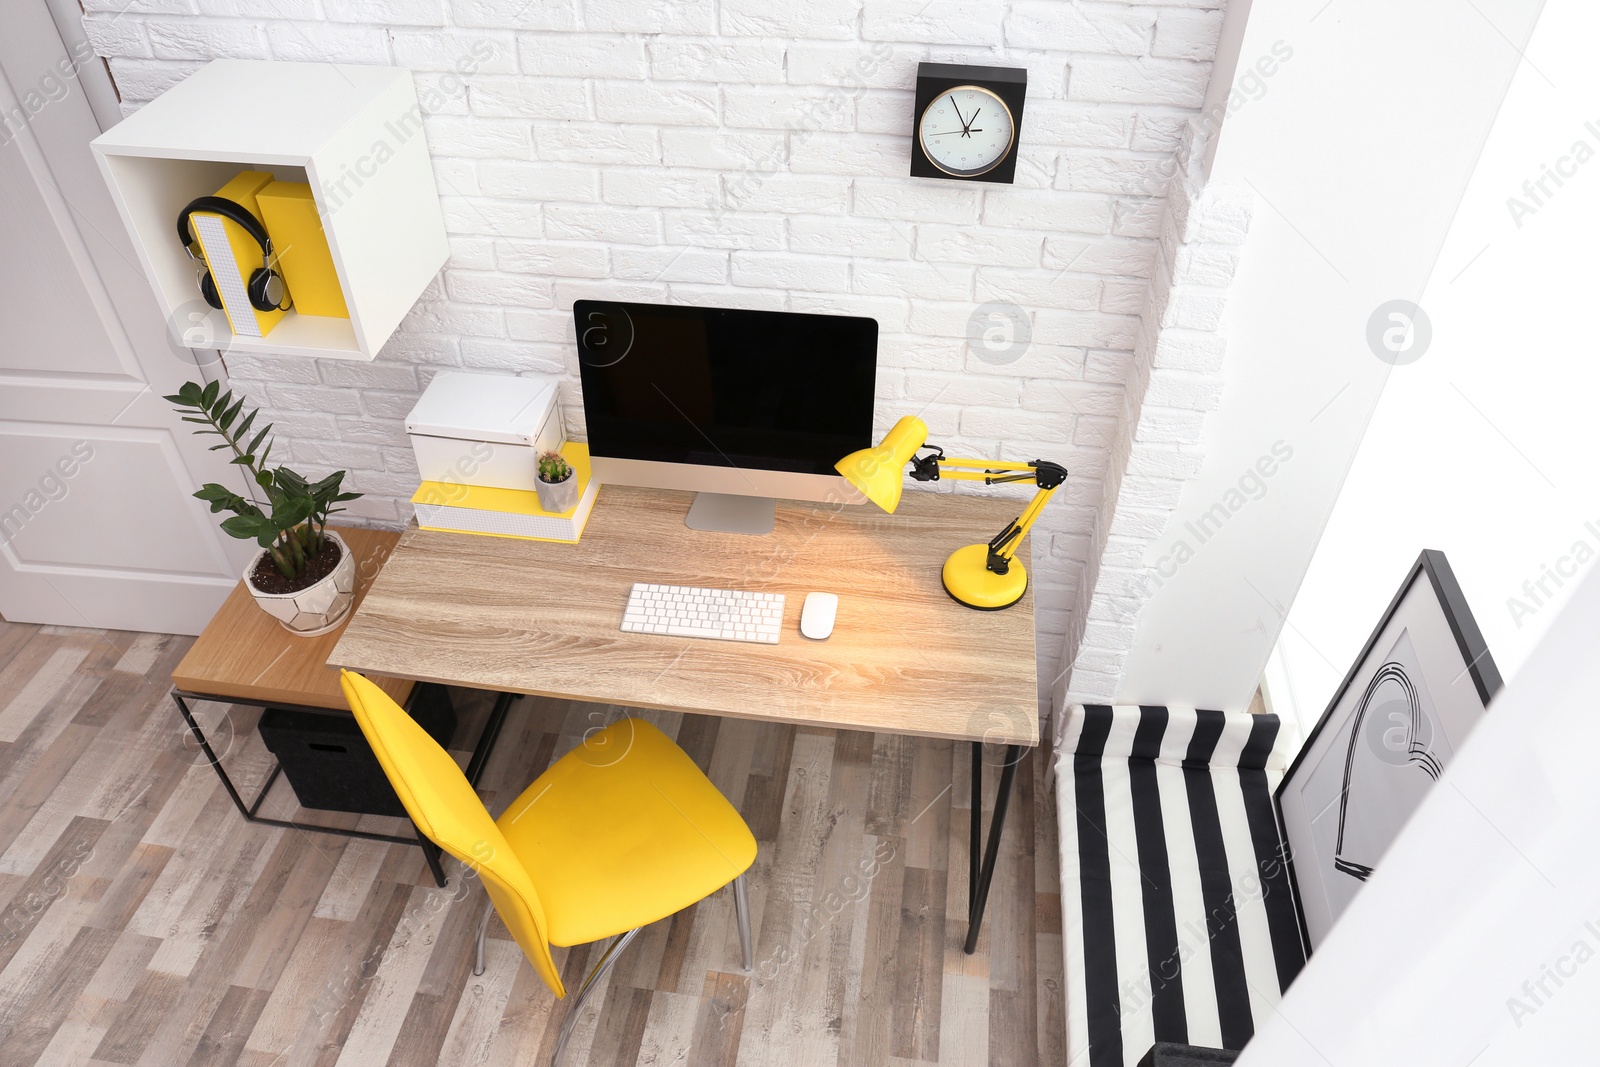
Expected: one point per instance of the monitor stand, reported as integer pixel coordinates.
(725, 513)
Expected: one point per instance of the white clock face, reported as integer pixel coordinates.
(966, 131)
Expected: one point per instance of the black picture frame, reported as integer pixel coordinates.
(1476, 660)
(1010, 84)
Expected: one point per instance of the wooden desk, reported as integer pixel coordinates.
(244, 654)
(542, 618)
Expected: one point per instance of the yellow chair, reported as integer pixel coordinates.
(618, 833)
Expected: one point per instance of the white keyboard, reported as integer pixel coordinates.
(689, 611)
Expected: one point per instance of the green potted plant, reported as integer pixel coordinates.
(557, 484)
(304, 576)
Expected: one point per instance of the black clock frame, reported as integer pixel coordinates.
(1010, 84)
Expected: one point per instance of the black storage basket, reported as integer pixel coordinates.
(328, 762)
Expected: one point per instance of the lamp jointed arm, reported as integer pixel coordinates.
(980, 575)
(1048, 476)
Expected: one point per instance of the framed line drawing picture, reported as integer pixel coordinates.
(1416, 691)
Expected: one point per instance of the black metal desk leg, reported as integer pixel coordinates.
(251, 812)
(975, 844)
(205, 746)
(979, 895)
(435, 856)
(491, 732)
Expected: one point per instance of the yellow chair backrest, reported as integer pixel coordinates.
(442, 803)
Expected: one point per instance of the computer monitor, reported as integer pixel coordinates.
(740, 406)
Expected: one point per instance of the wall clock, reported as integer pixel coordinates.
(967, 122)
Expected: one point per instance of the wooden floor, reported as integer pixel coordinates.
(143, 921)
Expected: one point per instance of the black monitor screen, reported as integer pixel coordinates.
(767, 390)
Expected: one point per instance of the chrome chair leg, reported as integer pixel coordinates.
(741, 909)
(483, 933)
(607, 958)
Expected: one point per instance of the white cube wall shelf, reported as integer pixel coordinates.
(354, 133)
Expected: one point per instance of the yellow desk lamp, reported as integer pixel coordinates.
(980, 576)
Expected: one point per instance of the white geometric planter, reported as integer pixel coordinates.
(557, 497)
(316, 609)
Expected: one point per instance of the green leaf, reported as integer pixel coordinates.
(208, 395)
(214, 448)
(190, 393)
(213, 491)
(232, 413)
(188, 418)
(346, 496)
(243, 461)
(244, 427)
(264, 479)
(242, 526)
(176, 400)
(293, 512)
(291, 481)
(256, 443)
(326, 491)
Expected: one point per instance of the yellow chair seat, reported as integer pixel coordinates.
(622, 831)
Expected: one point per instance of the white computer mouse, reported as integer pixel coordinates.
(816, 618)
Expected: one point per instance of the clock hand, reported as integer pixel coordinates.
(958, 112)
(969, 130)
(947, 133)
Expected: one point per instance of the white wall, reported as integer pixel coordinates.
(1358, 149)
(1477, 940)
(750, 153)
(1173, 380)
(1483, 447)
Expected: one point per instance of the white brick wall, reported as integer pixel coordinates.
(752, 153)
(1174, 378)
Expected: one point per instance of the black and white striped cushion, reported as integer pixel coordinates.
(1178, 920)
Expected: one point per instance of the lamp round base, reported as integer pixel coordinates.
(968, 579)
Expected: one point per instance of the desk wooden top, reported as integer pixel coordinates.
(243, 652)
(540, 617)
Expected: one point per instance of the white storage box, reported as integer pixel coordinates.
(485, 429)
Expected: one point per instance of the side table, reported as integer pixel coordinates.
(244, 657)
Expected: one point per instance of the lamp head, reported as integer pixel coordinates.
(880, 472)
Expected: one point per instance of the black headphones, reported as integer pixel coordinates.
(265, 288)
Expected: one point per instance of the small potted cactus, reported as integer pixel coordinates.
(557, 484)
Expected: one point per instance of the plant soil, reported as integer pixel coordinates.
(267, 578)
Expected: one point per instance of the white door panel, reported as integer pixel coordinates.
(97, 401)
(84, 597)
(46, 310)
(71, 481)
(97, 524)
